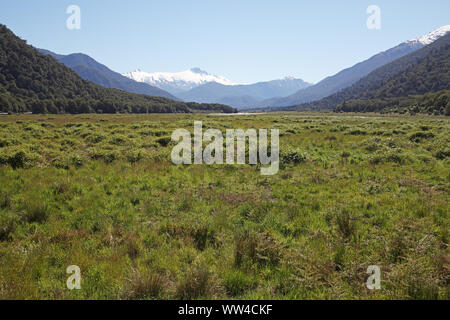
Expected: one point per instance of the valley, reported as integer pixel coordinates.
(239, 183)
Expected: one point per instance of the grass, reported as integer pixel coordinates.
(100, 192)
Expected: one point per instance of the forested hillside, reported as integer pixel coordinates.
(32, 81)
(432, 103)
(407, 82)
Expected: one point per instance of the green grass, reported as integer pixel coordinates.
(100, 192)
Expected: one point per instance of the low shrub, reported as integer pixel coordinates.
(346, 226)
(164, 141)
(292, 156)
(8, 223)
(442, 154)
(5, 200)
(419, 136)
(236, 282)
(118, 140)
(257, 248)
(196, 283)
(144, 286)
(18, 159)
(35, 209)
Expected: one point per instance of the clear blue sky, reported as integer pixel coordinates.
(243, 40)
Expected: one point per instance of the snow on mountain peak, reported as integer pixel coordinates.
(200, 71)
(176, 82)
(432, 36)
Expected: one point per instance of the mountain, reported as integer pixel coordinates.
(177, 82)
(412, 80)
(432, 36)
(91, 70)
(240, 96)
(32, 81)
(351, 75)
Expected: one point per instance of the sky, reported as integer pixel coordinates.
(245, 41)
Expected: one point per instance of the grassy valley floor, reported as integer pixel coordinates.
(100, 192)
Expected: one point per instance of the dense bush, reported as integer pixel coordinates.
(292, 156)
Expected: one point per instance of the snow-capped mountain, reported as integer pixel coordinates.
(432, 36)
(177, 82)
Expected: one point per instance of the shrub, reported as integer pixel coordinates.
(68, 142)
(345, 225)
(71, 125)
(60, 162)
(95, 138)
(201, 236)
(119, 140)
(36, 210)
(237, 282)
(292, 156)
(442, 154)
(8, 223)
(134, 156)
(261, 249)
(417, 279)
(106, 155)
(164, 141)
(419, 136)
(398, 247)
(61, 187)
(345, 154)
(5, 200)
(18, 160)
(4, 158)
(198, 282)
(339, 258)
(77, 160)
(133, 246)
(148, 286)
(393, 156)
(4, 143)
(358, 132)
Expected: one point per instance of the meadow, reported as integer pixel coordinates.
(101, 192)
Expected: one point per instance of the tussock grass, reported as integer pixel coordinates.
(100, 192)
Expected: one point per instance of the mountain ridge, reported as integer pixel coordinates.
(243, 95)
(422, 72)
(351, 75)
(90, 69)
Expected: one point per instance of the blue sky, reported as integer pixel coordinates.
(243, 40)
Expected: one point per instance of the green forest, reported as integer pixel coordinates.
(437, 103)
